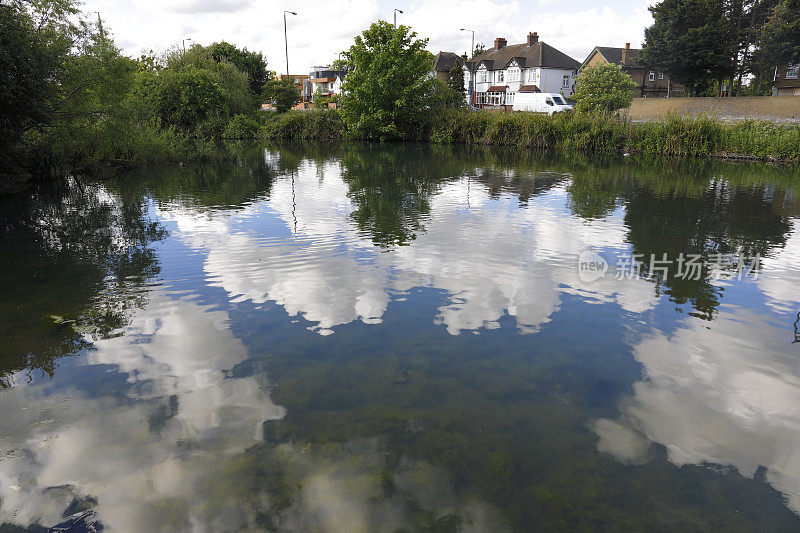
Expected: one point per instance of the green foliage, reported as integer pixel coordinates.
(243, 126)
(388, 86)
(74, 100)
(283, 93)
(779, 38)
(456, 79)
(318, 125)
(321, 99)
(604, 87)
(692, 40)
(251, 63)
(182, 98)
(604, 132)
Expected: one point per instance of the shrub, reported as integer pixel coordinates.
(604, 88)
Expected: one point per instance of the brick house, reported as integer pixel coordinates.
(649, 83)
(787, 82)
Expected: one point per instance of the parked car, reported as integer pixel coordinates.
(548, 103)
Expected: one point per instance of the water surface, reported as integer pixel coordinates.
(401, 338)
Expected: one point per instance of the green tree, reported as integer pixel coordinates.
(693, 41)
(251, 63)
(604, 87)
(388, 87)
(779, 38)
(456, 78)
(283, 93)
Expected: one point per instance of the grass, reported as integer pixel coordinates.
(672, 135)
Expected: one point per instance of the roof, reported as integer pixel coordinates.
(614, 55)
(497, 89)
(529, 89)
(539, 54)
(322, 80)
(444, 61)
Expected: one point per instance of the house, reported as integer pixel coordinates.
(443, 63)
(499, 73)
(649, 83)
(786, 82)
(323, 80)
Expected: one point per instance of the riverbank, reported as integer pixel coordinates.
(670, 135)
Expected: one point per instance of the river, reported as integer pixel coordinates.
(404, 338)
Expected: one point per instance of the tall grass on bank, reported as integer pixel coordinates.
(672, 135)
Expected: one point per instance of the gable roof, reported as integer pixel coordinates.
(539, 54)
(614, 55)
(444, 61)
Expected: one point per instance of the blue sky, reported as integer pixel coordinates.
(325, 27)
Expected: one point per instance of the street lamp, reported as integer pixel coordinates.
(471, 52)
(184, 44)
(285, 39)
(396, 11)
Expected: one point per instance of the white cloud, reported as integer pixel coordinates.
(724, 392)
(331, 273)
(324, 28)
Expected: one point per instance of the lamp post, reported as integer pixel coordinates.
(396, 11)
(286, 40)
(184, 44)
(471, 83)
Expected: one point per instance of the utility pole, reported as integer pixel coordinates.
(396, 11)
(286, 40)
(469, 56)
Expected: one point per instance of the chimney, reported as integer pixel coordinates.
(499, 43)
(625, 52)
(533, 38)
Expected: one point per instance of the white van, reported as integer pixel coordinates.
(540, 102)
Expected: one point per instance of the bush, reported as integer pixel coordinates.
(604, 88)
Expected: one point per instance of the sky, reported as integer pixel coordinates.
(323, 28)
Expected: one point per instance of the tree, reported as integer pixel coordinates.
(479, 49)
(456, 78)
(779, 38)
(388, 87)
(251, 63)
(604, 87)
(283, 93)
(692, 40)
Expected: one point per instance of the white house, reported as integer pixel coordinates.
(498, 74)
(326, 80)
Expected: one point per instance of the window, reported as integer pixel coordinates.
(661, 75)
(549, 101)
(532, 75)
(565, 81)
(500, 76)
(513, 74)
(652, 76)
(483, 76)
(792, 72)
(510, 98)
